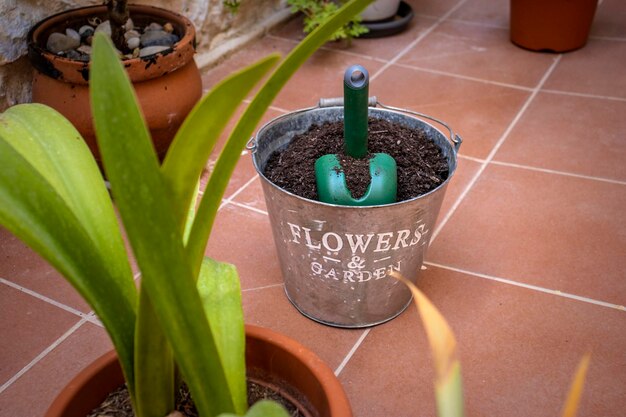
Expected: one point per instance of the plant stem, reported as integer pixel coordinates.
(118, 15)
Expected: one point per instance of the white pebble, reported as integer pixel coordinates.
(85, 49)
(104, 27)
(133, 43)
(151, 50)
(72, 34)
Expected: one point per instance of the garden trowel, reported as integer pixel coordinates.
(330, 177)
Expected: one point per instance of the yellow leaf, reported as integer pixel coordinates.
(440, 336)
(573, 398)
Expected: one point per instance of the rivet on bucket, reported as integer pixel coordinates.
(336, 260)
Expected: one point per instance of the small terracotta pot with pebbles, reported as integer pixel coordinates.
(158, 55)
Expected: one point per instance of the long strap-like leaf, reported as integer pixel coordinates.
(141, 195)
(32, 210)
(242, 132)
(203, 126)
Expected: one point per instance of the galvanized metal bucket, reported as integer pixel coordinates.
(336, 260)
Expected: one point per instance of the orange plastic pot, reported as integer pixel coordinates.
(551, 25)
(167, 84)
(272, 359)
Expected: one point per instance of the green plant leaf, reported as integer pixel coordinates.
(263, 408)
(153, 230)
(154, 364)
(201, 129)
(241, 134)
(53, 198)
(449, 393)
(220, 291)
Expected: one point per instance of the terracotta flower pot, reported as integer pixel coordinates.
(271, 358)
(551, 25)
(167, 84)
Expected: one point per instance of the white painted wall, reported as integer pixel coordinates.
(216, 29)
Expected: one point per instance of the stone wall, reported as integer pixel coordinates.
(218, 31)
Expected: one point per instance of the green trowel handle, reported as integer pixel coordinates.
(332, 188)
(355, 93)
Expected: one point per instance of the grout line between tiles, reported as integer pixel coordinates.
(478, 23)
(236, 193)
(495, 149)
(416, 40)
(42, 355)
(471, 158)
(551, 171)
(586, 95)
(352, 351)
(529, 286)
(43, 298)
(245, 206)
(466, 77)
(262, 288)
(607, 38)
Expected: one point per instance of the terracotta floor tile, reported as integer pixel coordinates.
(20, 265)
(479, 112)
(486, 12)
(244, 170)
(253, 196)
(466, 169)
(590, 143)
(244, 57)
(549, 230)
(598, 69)
(609, 20)
(507, 350)
(433, 8)
(244, 238)
(32, 394)
(481, 52)
(28, 327)
(320, 77)
(270, 308)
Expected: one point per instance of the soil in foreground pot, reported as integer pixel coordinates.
(422, 166)
(118, 403)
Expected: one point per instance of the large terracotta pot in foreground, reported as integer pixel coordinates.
(167, 84)
(551, 25)
(271, 358)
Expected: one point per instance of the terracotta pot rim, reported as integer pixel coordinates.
(338, 404)
(139, 69)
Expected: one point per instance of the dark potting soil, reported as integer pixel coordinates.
(118, 403)
(421, 164)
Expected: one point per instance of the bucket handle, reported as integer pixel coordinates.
(373, 102)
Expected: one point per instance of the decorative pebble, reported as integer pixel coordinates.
(151, 50)
(136, 52)
(133, 43)
(168, 27)
(158, 38)
(131, 34)
(58, 42)
(72, 34)
(153, 26)
(129, 25)
(85, 31)
(85, 49)
(104, 27)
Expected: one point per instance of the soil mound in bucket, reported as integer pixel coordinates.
(422, 166)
